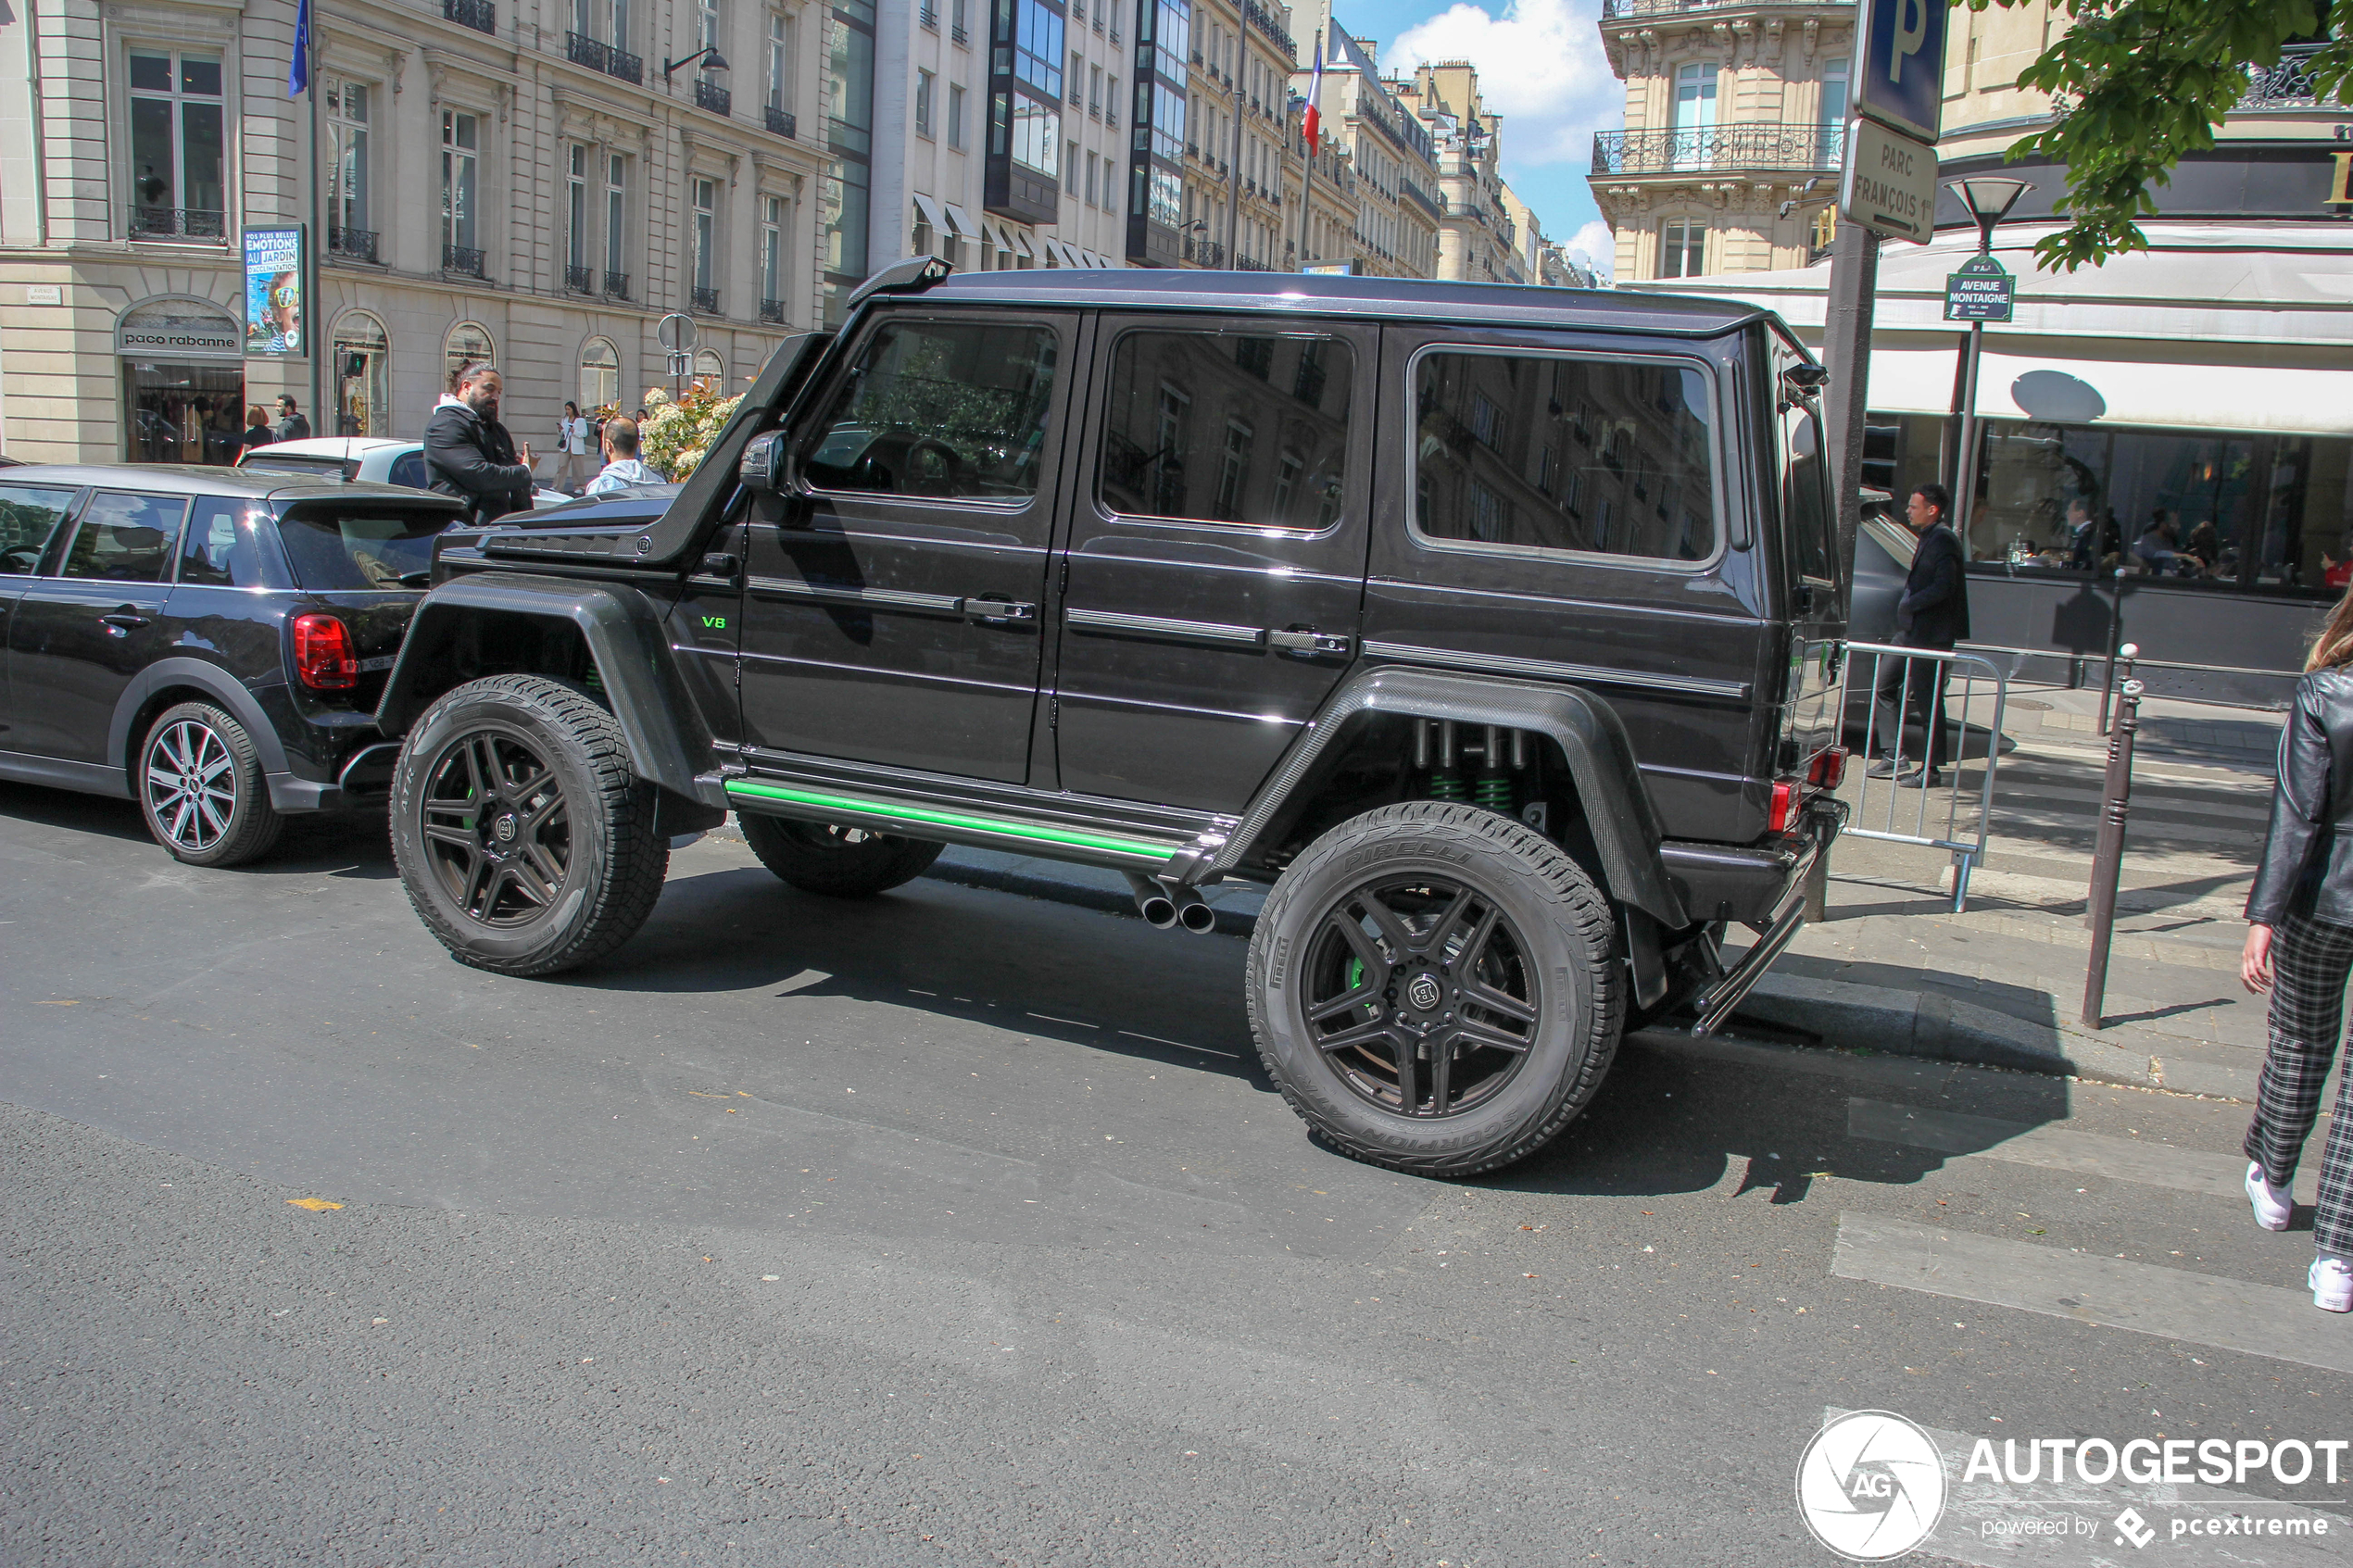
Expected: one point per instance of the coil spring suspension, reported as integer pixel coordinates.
(1494, 792)
(1445, 784)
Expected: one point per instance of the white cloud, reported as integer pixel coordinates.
(1595, 247)
(1541, 66)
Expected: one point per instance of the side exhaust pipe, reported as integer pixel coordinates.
(1153, 902)
(1193, 914)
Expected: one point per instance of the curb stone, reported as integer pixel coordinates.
(1890, 1020)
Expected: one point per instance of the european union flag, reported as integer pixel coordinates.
(298, 73)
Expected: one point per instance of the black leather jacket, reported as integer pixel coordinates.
(473, 459)
(2308, 859)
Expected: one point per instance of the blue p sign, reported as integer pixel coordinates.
(1899, 65)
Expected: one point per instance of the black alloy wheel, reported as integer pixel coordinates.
(497, 827)
(200, 787)
(1420, 995)
(835, 859)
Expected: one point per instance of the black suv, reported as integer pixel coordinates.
(208, 642)
(1496, 627)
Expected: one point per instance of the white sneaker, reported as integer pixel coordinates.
(2273, 1207)
(2331, 1283)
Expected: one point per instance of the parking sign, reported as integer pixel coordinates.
(1899, 65)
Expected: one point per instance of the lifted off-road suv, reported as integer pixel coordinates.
(1496, 627)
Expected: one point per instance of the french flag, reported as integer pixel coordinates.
(1314, 124)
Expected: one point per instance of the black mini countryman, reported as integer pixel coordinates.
(206, 642)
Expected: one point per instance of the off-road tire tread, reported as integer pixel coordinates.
(258, 823)
(625, 807)
(908, 859)
(1557, 879)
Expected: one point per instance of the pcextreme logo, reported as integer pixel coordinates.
(1870, 1485)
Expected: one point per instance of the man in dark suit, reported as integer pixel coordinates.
(469, 452)
(1933, 613)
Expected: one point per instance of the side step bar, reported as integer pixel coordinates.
(1715, 1004)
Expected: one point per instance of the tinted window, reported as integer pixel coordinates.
(126, 538)
(224, 548)
(29, 515)
(936, 409)
(1545, 452)
(409, 468)
(1805, 501)
(1228, 427)
(332, 546)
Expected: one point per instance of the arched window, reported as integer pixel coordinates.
(600, 373)
(710, 369)
(363, 376)
(468, 340)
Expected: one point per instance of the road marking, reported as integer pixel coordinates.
(2231, 1314)
(2060, 1148)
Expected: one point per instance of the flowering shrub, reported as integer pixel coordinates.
(679, 431)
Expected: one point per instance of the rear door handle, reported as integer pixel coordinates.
(122, 621)
(1314, 643)
(1002, 612)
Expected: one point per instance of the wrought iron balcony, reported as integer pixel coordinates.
(930, 16)
(1699, 150)
(2287, 85)
(1248, 264)
(960, 35)
(462, 258)
(480, 15)
(773, 310)
(1204, 253)
(1261, 19)
(616, 285)
(783, 124)
(580, 280)
(598, 54)
(710, 95)
(358, 244)
(178, 224)
(1613, 9)
(706, 301)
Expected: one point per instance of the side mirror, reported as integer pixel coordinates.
(763, 466)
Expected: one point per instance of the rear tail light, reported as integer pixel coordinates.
(1784, 809)
(1829, 769)
(323, 658)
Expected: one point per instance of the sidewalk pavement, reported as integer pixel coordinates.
(1893, 970)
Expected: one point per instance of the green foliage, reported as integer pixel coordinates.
(2137, 84)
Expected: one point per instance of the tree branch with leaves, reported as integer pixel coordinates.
(2137, 84)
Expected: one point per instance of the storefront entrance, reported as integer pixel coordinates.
(184, 382)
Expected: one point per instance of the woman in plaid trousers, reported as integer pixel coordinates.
(2299, 947)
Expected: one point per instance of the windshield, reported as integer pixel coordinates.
(333, 546)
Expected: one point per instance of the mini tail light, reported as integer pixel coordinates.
(323, 658)
(1785, 808)
(1829, 769)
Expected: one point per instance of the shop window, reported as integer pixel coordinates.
(363, 375)
(468, 341)
(599, 374)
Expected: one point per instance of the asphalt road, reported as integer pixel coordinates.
(962, 1227)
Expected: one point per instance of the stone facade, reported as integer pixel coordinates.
(1476, 239)
(482, 165)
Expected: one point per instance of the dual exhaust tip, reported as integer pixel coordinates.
(1164, 907)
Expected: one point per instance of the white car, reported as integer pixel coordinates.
(373, 459)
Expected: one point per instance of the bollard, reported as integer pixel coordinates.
(2107, 860)
(2128, 653)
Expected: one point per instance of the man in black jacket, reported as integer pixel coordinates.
(1933, 613)
(292, 426)
(470, 453)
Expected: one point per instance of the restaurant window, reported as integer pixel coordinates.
(176, 144)
(1644, 487)
(1157, 460)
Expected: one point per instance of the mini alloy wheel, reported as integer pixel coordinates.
(1420, 995)
(496, 828)
(200, 786)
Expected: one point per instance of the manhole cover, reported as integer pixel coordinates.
(2029, 703)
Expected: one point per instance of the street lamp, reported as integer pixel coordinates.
(710, 56)
(1988, 199)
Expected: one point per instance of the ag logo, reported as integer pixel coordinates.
(1870, 1485)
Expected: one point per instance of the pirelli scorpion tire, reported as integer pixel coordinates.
(1435, 988)
(835, 859)
(526, 844)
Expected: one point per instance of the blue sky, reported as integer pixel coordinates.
(1541, 66)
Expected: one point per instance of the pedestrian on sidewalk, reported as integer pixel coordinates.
(572, 441)
(1933, 613)
(470, 453)
(621, 468)
(2299, 947)
(292, 425)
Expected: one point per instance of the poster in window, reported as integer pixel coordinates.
(274, 322)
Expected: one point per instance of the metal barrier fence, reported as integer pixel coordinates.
(1917, 684)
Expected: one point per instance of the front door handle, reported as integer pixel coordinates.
(122, 621)
(994, 611)
(1314, 643)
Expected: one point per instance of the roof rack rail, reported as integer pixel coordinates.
(910, 276)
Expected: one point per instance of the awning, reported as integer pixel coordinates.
(1020, 242)
(961, 223)
(2150, 393)
(928, 208)
(1057, 253)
